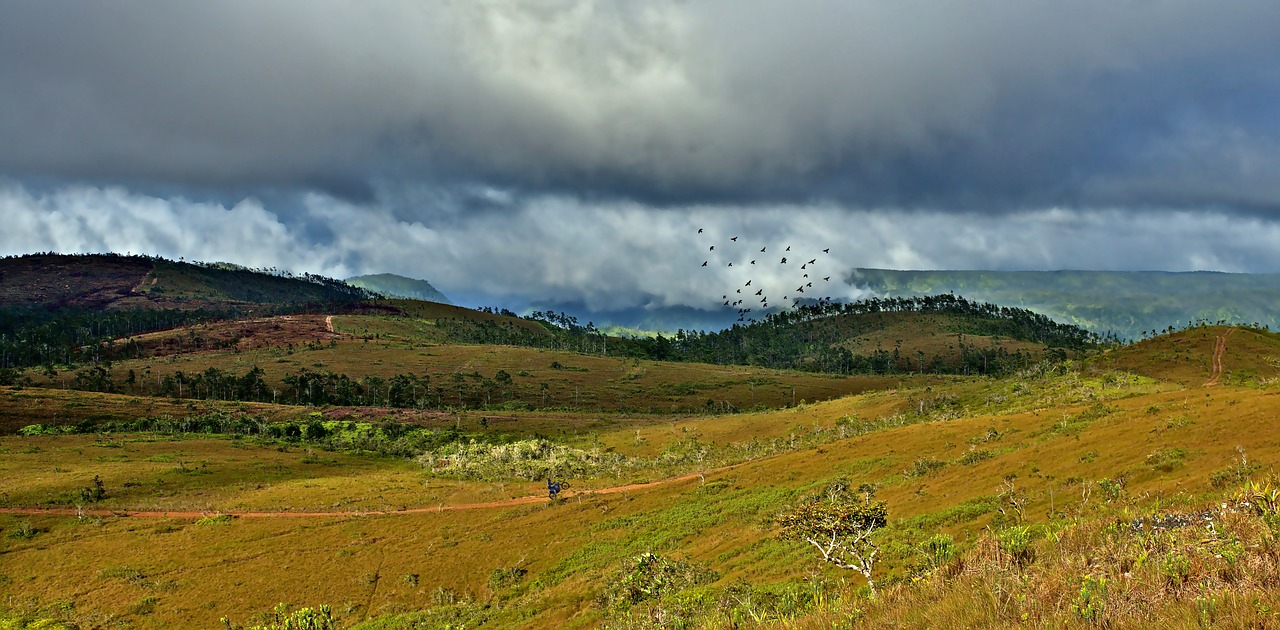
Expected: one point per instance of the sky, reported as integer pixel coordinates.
(542, 152)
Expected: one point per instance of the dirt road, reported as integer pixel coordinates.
(1219, 349)
(421, 510)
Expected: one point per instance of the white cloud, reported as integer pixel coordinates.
(621, 255)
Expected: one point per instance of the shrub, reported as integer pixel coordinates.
(649, 576)
(976, 455)
(925, 465)
(1016, 541)
(24, 531)
(1166, 459)
(302, 619)
(94, 492)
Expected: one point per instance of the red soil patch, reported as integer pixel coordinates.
(1219, 349)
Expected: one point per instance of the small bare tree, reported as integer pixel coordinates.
(840, 525)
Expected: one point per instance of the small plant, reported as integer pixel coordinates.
(1016, 541)
(1166, 459)
(504, 577)
(94, 492)
(938, 550)
(1090, 603)
(1175, 568)
(215, 519)
(650, 576)
(144, 606)
(24, 531)
(1113, 489)
(1235, 474)
(302, 619)
(976, 455)
(925, 465)
(410, 579)
(128, 574)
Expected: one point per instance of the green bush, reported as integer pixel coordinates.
(650, 576)
(1166, 459)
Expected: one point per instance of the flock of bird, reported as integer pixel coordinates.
(794, 268)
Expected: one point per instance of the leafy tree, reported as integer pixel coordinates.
(840, 525)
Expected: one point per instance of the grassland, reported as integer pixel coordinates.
(1037, 478)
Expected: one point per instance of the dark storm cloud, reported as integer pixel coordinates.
(927, 104)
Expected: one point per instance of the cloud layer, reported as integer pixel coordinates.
(937, 105)
(567, 151)
(616, 256)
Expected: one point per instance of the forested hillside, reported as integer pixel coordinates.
(1131, 304)
(68, 309)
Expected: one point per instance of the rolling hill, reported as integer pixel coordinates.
(1131, 304)
(392, 285)
(1078, 490)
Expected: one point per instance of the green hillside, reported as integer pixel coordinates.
(391, 285)
(1127, 303)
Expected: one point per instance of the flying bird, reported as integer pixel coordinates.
(760, 292)
(763, 248)
(800, 290)
(788, 248)
(730, 264)
(739, 290)
(813, 261)
(734, 239)
(753, 262)
(806, 275)
(804, 265)
(704, 263)
(699, 230)
(713, 248)
(827, 279)
(827, 250)
(784, 260)
(747, 284)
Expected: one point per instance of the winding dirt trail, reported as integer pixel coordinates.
(422, 510)
(328, 323)
(1219, 349)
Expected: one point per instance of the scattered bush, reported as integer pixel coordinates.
(925, 465)
(216, 519)
(302, 619)
(650, 576)
(976, 455)
(24, 531)
(1166, 459)
(94, 492)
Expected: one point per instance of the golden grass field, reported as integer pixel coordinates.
(1062, 438)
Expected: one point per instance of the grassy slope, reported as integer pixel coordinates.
(1058, 434)
(394, 345)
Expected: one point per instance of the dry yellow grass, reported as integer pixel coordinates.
(1050, 437)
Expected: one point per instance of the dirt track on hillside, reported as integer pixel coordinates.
(421, 510)
(1219, 350)
(328, 322)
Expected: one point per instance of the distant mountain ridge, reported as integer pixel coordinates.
(393, 285)
(1127, 303)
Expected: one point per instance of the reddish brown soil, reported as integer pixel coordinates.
(246, 334)
(1219, 349)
